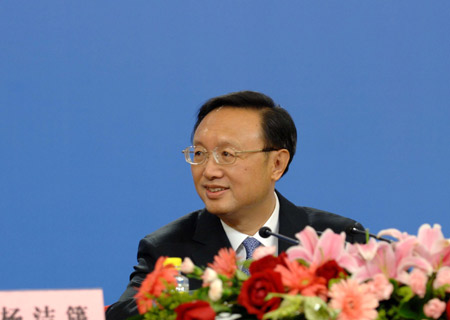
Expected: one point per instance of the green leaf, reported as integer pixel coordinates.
(196, 274)
(405, 293)
(290, 307)
(411, 309)
(440, 292)
(317, 309)
(382, 315)
(240, 275)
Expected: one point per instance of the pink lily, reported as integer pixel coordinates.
(393, 260)
(432, 246)
(316, 251)
(394, 233)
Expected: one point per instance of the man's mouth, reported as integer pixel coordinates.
(215, 189)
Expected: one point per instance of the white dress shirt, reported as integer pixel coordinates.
(236, 238)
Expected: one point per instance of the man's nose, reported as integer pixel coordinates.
(212, 169)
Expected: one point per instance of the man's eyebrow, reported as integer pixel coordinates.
(197, 143)
(221, 144)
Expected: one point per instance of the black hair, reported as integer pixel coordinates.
(279, 129)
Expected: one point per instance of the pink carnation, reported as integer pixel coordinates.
(381, 287)
(355, 300)
(434, 308)
(442, 278)
(418, 282)
(263, 251)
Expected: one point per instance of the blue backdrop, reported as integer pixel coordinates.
(98, 98)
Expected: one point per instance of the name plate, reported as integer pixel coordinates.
(85, 304)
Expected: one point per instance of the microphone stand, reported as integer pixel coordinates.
(265, 232)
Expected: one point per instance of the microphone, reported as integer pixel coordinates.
(352, 229)
(265, 232)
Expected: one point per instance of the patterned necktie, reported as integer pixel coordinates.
(250, 244)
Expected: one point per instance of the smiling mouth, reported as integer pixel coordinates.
(215, 189)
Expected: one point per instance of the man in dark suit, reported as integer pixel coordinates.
(242, 145)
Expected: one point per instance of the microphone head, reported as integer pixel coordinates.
(265, 232)
(350, 229)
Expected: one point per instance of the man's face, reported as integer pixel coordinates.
(248, 184)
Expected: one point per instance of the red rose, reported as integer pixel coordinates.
(195, 310)
(330, 270)
(255, 289)
(268, 262)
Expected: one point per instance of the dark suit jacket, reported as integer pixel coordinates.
(199, 235)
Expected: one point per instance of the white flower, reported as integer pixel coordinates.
(215, 290)
(187, 266)
(208, 276)
(228, 316)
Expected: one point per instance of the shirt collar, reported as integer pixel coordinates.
(237, 237)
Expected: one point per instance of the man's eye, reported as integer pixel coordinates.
(198, 153)
(227, 154)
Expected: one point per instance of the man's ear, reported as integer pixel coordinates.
(280, 161)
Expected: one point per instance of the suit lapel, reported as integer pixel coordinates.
(210, 238)
(292, 220)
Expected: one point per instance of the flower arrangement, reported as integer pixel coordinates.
(322, 278)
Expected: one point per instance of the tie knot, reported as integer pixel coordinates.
(250, 244)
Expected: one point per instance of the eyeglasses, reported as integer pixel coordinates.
(222, 155)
